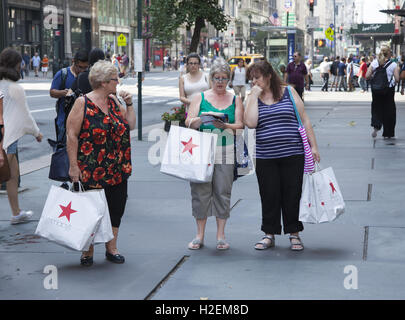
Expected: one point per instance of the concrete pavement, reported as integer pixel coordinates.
(359, 256)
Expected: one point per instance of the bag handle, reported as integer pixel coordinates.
(295, 107)
(81, 188)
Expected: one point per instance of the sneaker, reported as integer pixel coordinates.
(374, 133)
(22, 217)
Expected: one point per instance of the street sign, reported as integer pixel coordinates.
(312, 22)
(122, 41)
(138, 55)
(329, 34)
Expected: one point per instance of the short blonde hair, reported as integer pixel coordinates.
(220, 65)
(100, 72)
(384, 54)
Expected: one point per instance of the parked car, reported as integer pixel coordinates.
(318, 81)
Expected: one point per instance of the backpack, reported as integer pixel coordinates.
(333, 67)
(379, 82)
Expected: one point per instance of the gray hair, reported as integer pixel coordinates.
(100, 72)
(220, 65)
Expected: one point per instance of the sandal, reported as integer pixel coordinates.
(86, 261)
(265, 245)
(222, 244)
(196, 244)
(298, 245)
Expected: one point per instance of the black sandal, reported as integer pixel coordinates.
(86, 261)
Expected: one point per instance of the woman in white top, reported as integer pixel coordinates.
(383, 109)
(308, 64)
(194, 81)
(239, 79)
(18, 121)
(1, 129)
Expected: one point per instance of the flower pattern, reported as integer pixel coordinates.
(104, 153)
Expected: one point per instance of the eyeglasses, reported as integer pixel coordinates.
(193, 63)
(220, 79)
(115, 80)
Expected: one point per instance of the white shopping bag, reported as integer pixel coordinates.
(71, 218)
(321, 199)
(189, 154)
(104, 232)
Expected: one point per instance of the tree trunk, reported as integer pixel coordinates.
(195, 40)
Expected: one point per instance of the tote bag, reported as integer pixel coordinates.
(189, 154)
(71, 219)
(309, 164)
(321, 199)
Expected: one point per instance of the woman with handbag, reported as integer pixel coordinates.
(18, 122)
(99, 148)
(383, 75)
(279, 152)
(238, 79)
(213, 198)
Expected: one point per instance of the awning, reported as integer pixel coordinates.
(398, 12)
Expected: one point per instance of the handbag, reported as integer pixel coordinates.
(4, 169)
(59, 168)
(243, 161)
(104, 233)
(321, 199)
(309, 164)
(71, 219)
(189, 154)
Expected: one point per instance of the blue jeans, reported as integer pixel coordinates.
(363, 83)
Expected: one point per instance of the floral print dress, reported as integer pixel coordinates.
(104, 152)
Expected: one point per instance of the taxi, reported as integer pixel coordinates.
(249, 59)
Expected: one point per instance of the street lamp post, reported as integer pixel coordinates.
(250, 34)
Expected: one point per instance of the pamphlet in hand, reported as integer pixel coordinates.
(210, 117)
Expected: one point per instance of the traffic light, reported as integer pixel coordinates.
(311, 5)
(321, 43)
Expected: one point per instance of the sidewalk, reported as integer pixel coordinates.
(366, 241)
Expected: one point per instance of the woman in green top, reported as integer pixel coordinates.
(213, 198)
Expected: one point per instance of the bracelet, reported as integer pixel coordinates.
(129, 105)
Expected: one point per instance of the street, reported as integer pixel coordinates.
(360, 256)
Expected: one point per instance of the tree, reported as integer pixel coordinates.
(168, 15)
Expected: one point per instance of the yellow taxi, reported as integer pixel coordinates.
(249, 59)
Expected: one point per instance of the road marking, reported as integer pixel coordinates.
(41, 110)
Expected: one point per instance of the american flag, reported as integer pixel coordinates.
(274, 19)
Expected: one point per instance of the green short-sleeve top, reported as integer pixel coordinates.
(227, 135)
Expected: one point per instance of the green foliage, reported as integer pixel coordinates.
(178, 114)
(168, 15)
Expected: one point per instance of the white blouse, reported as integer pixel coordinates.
(192, 88)
(17, 117)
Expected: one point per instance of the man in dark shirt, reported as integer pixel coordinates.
(342, 75)
(295, 74)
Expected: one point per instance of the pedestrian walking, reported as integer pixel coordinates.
(22, 69)
(238, 79)
(18, 122)
(1, 129)
(309, 82)
(362, 74)
(45, 66)
(342, 74)
(26, 59)
(279, 152)
(383, 74)
(324, 69)
(36, 62)
(213, 198)
(194, 81)
(124, 64)
(99, 147)
(296, 73)
(349, 74)
(61, 83)
(334, 73)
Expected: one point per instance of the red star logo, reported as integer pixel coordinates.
(67, 211)
(333, 187)
(188, 146)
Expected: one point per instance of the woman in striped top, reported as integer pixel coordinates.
(279, 152)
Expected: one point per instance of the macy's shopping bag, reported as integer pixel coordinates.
(71, 219)
(321, 199)
(104, 233)
(189, 154)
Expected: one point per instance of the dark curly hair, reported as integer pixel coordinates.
(9, 61)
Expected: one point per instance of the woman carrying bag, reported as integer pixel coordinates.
(99, 148)
(279, 152)
(213, 198)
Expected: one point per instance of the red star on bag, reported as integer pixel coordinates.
(67, 211)
(188, 146)
(333, 187)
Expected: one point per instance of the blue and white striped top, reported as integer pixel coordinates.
(277, 134)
